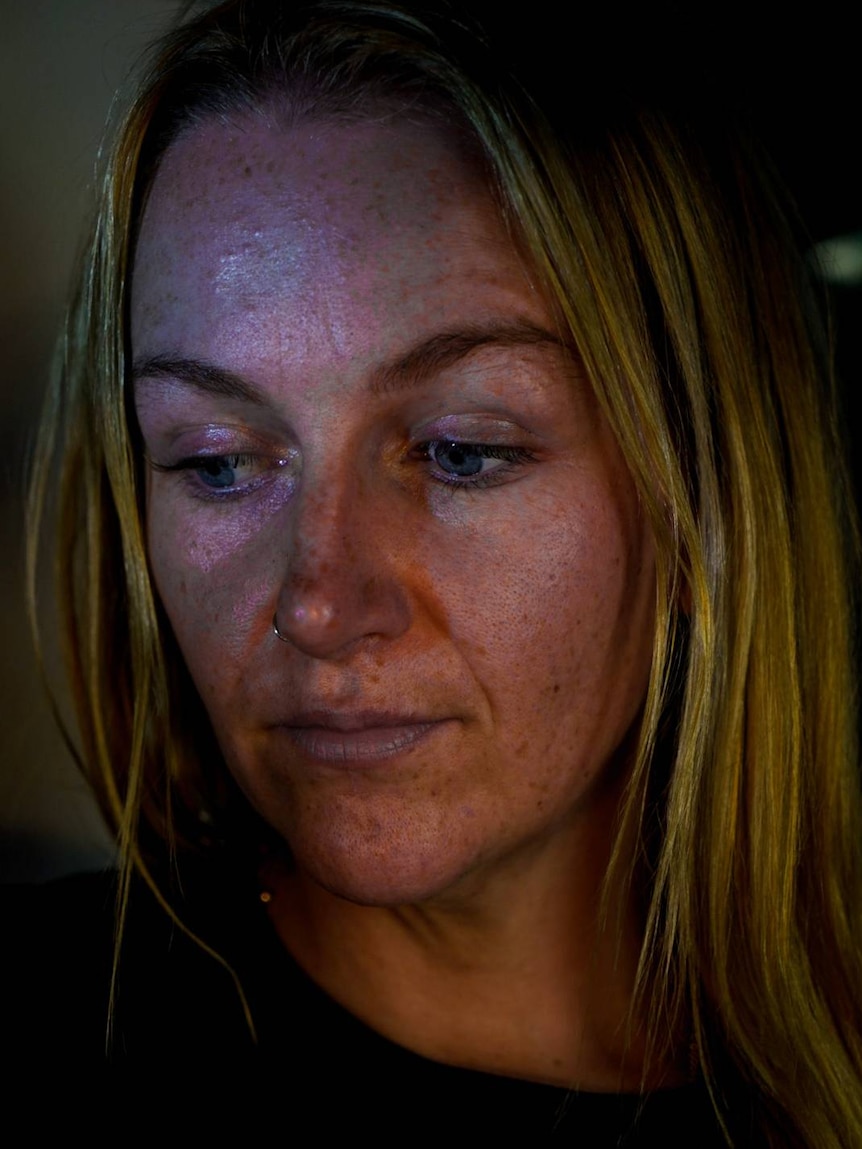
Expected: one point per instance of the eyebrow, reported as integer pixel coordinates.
(412, 369)
(447, 348)
(199, 374)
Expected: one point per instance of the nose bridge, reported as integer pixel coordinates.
(320, 538)
(339, 584)
(320, 552)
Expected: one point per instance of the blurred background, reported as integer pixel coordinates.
(60, 62)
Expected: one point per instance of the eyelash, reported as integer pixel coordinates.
(194, 466)
(513, 457)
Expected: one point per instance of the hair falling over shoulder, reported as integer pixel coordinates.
(660, 233)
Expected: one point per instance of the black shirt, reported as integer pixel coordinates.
(182, 1048)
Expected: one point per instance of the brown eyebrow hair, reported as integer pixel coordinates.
(443, 350)
(203, 376)
(411, 369)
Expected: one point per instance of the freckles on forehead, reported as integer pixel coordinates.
(330, 220)
(206, 237)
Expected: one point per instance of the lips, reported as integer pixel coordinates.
(358, 737)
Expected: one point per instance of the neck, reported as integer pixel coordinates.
(518, 972)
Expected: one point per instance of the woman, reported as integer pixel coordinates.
(456, 590)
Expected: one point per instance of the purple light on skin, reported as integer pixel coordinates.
(418, 571)
(228, 536)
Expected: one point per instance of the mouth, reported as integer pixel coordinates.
(360, 737)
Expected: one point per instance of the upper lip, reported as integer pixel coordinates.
(347, 721)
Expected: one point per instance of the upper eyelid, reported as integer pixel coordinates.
(183, 427)
(478, 427)
(215, 440)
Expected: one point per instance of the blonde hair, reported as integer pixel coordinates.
(662, 239)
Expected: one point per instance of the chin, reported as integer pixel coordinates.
(376, 862)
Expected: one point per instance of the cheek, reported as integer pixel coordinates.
(214, 580)
(543, 615)
(554, 611)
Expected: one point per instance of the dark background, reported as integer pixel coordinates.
(60, 61)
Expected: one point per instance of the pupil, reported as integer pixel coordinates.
(218, 472)
(459, 459)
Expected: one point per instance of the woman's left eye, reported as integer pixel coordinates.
(472, 464)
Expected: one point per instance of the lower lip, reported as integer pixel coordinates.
(356, 747)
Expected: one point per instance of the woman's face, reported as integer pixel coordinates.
(362, 418)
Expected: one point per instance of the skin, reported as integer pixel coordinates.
(442, 736)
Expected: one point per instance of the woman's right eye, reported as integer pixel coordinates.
(221, 471)
(224, 475)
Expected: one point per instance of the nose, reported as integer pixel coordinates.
(343, 584)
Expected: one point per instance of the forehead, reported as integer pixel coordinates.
(249, 169)
(242, 212)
